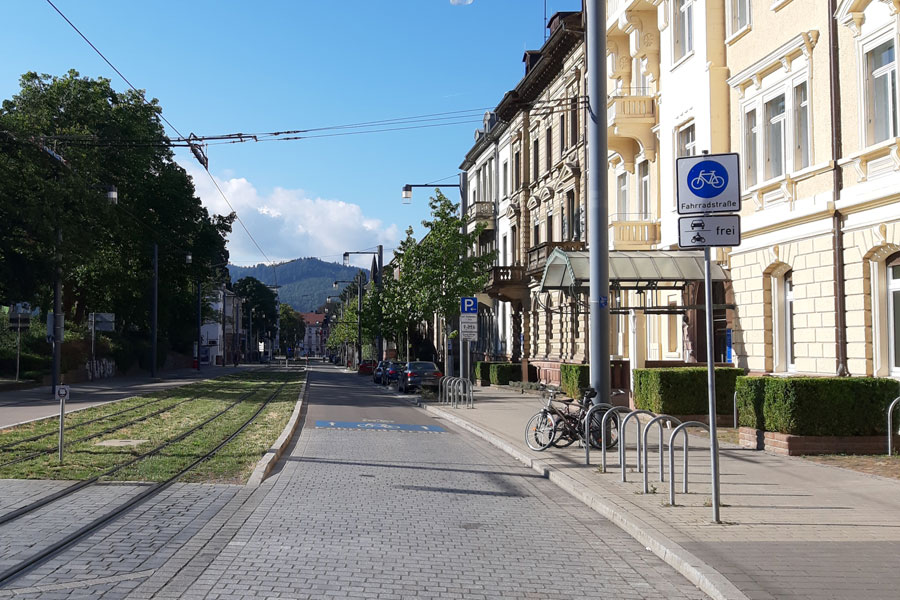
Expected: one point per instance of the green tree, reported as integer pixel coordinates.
(104, 138)
(259, 305)
(293, 328)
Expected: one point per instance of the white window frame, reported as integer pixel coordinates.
(790, 357)
(732, 13)
(865, 46)
(643, 177)
(622, 196)
(791, 135)
(891, 285)
(770, 124)
(505, 178)
(689, 148)
(682, 25)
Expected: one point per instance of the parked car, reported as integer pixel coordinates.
(378, 372)
(366, 367)
(419, 374)
(392, 372)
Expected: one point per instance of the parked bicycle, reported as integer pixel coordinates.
(560, 423)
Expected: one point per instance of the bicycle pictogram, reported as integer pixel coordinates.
(707, 178)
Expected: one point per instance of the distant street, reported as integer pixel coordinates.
(377, 499)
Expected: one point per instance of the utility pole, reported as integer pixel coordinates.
(153, 311)
(598, 212)
(199, 320)
(57, 313)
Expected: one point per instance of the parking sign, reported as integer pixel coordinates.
(468, 306)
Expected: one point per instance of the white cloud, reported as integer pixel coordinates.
(288, 224)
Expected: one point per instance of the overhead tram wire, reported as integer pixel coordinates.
(175, 129)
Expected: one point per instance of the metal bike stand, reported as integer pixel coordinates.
(672, 440)
(587, 429)
(658, 420)
(622, 452)
(890, 433)
(615, 411)
(734, 403)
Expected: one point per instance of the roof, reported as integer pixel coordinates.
(636, 270)
(313, 318)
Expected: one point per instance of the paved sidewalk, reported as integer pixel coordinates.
(792, 529)
(17, 406)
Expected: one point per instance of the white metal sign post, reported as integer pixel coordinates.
(709, 183)
(62, 393)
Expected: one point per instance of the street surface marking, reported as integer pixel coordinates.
(378, 426)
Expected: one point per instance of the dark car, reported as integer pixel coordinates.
(392, 372)
(419, 374)
(377, 373)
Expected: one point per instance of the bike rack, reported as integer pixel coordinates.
(890, 417)
(734, 403)
(634, 413)
(587, 430)
(659, 421)
(444, 389)
(672, 441)
(463, 391)
(615, 411)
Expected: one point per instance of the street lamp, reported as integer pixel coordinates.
(406, 193)
(377, 277)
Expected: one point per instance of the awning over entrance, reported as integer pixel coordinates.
(628, 270)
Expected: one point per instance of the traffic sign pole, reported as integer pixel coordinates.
(62, 392)
(711, 379)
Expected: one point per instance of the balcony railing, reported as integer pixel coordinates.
(638, 234)
(507, 283)
(537, 255)
(621, 108)
(481, 212)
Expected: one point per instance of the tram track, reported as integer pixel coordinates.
(154, 489)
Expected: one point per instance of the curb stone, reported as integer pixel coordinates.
(696, 571)
(267, 462)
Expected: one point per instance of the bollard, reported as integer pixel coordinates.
(614, 411)
(587, 429)
(672, 441)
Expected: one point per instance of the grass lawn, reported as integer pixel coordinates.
(176, 411)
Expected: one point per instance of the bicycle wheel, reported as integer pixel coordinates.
(540, 431)
(564, 436)
(612, 431)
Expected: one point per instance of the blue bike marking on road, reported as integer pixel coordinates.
(378, 426)
(708, 179)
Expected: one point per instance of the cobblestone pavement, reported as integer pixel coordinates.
(360, 514)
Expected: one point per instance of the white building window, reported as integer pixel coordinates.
(881, 92)
(684, 28)
(893, 314)
(790, 355)
(622, 197)
(644, 190)
(739, 15)
(801, 125)
(687, 143)
(775, 137)
(505, 178)
(776, 131)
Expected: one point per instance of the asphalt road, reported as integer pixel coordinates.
(376, 499)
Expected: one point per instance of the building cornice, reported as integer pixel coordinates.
(782, 58)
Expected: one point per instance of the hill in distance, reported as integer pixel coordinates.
(304, 282)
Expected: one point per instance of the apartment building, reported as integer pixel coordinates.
(804, 91)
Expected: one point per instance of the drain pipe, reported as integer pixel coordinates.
(838, 183)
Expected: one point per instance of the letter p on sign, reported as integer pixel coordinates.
(468, 306)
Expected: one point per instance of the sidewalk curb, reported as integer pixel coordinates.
(695, 570)
(267, 462)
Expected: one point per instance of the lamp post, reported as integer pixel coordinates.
(358, 282)
(377, 277)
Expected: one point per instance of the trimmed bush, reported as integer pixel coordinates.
(503, 373)
(483, 372)
(574, 380)
(751, 395)
(683, 391)
(839, 406)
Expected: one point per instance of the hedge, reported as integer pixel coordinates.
(483, 372)
(503, 373)
(840, 406)
(574, 379)
(751, 395)
(684, 390)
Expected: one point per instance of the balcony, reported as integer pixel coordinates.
(481, 212)
(633, 232)
(631, 116)
(537, 255)
(508, 284)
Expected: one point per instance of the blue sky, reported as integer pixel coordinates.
(238, 66)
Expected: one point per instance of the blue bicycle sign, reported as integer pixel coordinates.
(708, 179)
